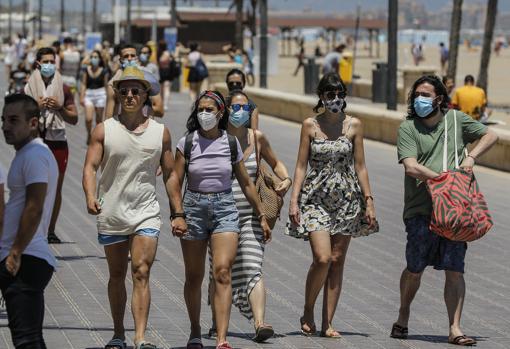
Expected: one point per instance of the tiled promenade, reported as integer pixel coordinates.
(77, 310)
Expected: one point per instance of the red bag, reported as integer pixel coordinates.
(459, 209)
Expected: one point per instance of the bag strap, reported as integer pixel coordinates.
(445, 147)
(232, 144)
(188, 144)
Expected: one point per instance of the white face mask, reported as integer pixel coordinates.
(207, 120)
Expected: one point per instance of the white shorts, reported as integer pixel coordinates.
(95, 98)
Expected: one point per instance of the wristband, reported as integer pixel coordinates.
(290, 179)
(471, 156)
(178, 215)
(369, 197)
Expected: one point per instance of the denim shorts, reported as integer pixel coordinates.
(105, 239)
(427, 248)
(208, 214)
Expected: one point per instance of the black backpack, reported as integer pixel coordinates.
(188, 144)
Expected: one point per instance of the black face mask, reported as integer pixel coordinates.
(235, 86)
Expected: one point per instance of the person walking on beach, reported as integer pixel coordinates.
(420, 149)
(332, 202)
(27, 263)
(130, 148)
(210, 159)
(248, 291)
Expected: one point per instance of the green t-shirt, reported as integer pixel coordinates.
(415, 140)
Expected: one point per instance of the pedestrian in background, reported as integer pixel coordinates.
(197, 70)
(27, 263)
(93, 90)
(470, 99)
(248, 291)
(210, 159)
(236, 81)
(420, 150)
(332, 202)
(56, 102)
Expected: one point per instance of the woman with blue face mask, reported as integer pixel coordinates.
(248, 292)
(93, 91)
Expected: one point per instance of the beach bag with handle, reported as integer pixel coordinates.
(459, 209)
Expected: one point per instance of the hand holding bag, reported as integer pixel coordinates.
(265, 184)
(459, 209)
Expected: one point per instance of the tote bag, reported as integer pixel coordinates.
(459, 209)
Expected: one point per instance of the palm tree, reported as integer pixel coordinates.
(490, 21)
(454, 38)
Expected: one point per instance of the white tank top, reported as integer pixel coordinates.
(127, 186)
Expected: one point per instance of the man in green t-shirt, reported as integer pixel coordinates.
(420, 149)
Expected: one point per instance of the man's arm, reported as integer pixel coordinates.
(92, 163)
(30, 219)
(172, 179)
(484, 144)
(415, 170)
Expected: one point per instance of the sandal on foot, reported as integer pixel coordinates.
(462, 341)
(331, 333)
(145, 345)
(53, 238)
(194, 343)
(399, 332)
(224, 345)
(263, 333)
(311, 331)
(213, 333)
(115, 343)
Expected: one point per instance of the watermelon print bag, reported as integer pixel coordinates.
(459, 209)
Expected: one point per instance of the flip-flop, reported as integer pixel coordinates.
(194, 343)
(463, 341)
(263, 333)
(399, 332)
(331, 334)
(312, 331)
(115, 343)
(145, 345)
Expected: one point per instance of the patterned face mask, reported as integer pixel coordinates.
(334, 105)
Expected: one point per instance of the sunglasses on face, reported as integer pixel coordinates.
(237, 107)
(235, 84)
(330, 95)
(135, 91)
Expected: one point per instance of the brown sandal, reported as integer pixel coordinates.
(331, 334)
(463, 341)
(399, 332)
(263, 333)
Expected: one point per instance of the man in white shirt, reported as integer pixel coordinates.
(27, 263)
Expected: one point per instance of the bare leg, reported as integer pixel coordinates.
(143, 252)
(409, 285)
(58, 203)
(320, 243)
(117, 258)
(99, 115)
(454, 291)
(224, 249)
(258, 303)
(194, 253)
(89, 115)
(333, 286)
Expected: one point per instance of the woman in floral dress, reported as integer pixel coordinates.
(333, 201)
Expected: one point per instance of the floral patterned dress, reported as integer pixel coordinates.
(331, 198)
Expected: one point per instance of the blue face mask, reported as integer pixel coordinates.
(94, 61)
(47, 70)
(423, 106)
(143, 57)
(132, 63)
(239, 118)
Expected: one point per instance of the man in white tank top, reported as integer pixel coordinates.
(129, 149)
